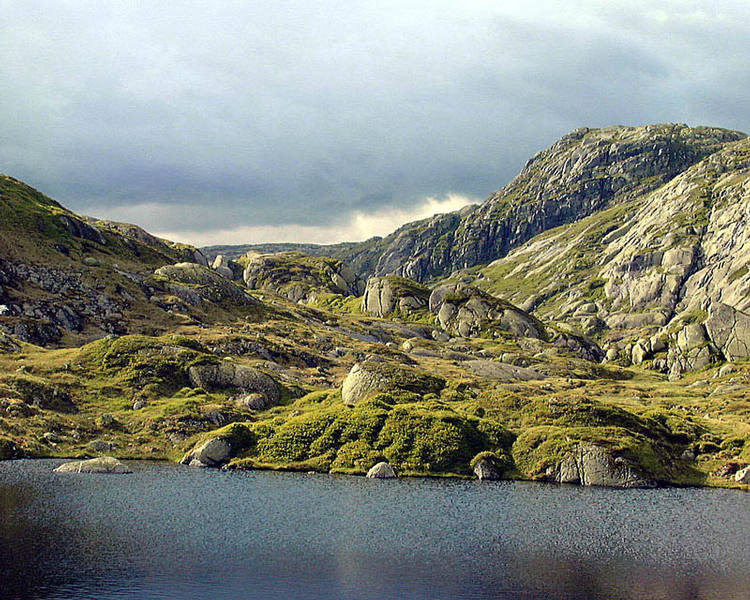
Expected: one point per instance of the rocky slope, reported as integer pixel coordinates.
(664, 277)
(584, 172)
(288, 361)
(64, 275)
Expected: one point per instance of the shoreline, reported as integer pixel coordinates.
(229, 468)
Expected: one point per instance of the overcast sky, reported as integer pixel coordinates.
(241, 122)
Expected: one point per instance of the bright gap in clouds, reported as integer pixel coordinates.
(358, 227)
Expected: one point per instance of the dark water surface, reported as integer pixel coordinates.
(174, 532)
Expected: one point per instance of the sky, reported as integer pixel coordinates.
(326, 121)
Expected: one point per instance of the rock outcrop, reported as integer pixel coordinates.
(392, 294)
(382, 470)
(229, 376)
(594, 465)
(196, 284)
(300, 277)
(103, 464)
(467, 311)
(226, 268)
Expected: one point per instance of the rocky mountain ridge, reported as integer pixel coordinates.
(550, 363)
(586, 171)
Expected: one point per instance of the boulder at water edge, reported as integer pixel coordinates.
(382, 470)
(103, 464)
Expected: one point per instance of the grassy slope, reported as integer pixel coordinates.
(86, 392)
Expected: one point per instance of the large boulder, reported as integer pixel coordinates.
(382, 470)
(243, 379)
(300, 277)
(593, 465)
(393, 294)
(371, 376)
(194, 284)
(103, 464)
(360, 382)
(466, 311)
(214, 452)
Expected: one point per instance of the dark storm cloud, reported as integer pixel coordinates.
(188, 116)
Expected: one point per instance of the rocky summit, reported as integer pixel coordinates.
(588, 324)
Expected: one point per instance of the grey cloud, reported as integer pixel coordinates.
(287, 112)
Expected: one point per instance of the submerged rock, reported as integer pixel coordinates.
(103, 464)
(382, 470)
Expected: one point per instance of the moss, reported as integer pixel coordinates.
(539, 448)
(143, 362)
(416, 438)
(741, 272)
(38, 392)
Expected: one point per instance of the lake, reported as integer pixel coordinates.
(174, 532)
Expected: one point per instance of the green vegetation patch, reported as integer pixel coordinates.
(37, 392)
(138, 361)
(417, 438)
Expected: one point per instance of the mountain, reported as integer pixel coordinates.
(586, 171)
(669, 265)
(592, 328)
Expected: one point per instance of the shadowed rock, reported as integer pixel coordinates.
(593, 465)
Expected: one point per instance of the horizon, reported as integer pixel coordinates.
(235, 124)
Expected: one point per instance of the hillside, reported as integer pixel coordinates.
(586, 171)
(607, 347)
(669, 266)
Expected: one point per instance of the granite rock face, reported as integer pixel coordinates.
(392, 294)
(593, 465)
(584, 172)
(103, 464)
